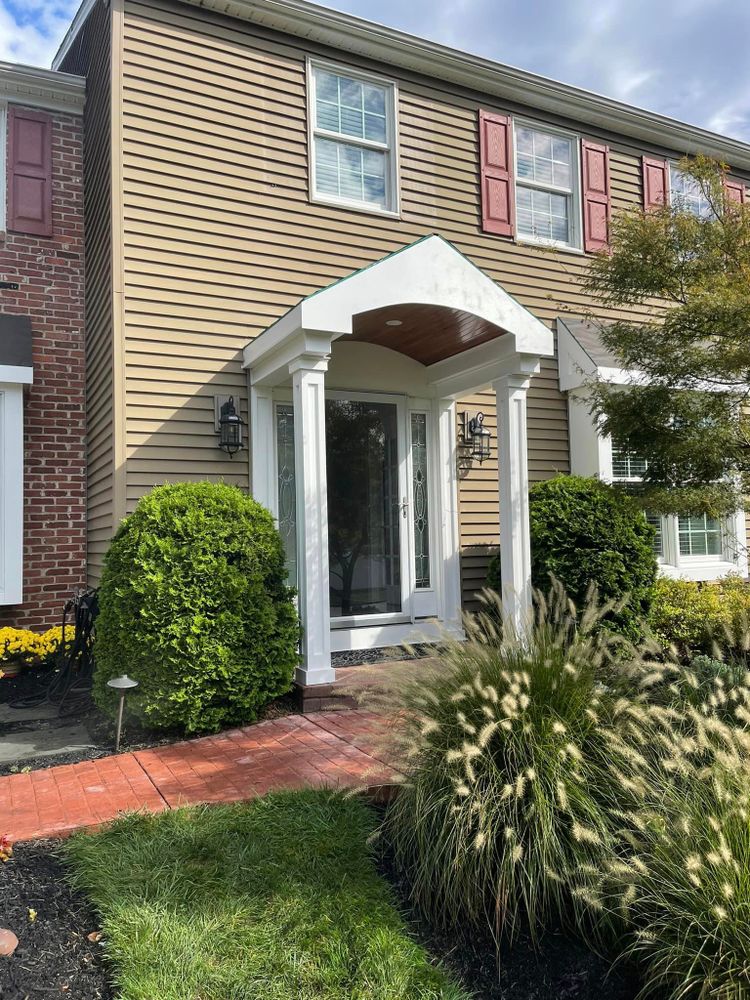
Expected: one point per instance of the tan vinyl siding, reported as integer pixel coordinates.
(220, 238)
(90, 56)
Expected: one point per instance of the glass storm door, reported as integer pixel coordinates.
(367, 509)
(380, 507)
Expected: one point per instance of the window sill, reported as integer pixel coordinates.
(550, 245)
(354, 206)
(699, 569)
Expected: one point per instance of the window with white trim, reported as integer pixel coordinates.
(628, 468)
(547, 185)
(686, 544)
(353, 138)
(686, 193)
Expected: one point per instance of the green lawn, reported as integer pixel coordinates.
(277, 899)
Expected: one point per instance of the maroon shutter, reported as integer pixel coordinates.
(496, 158)
(735, 191)
(596, 197)
(29, 172)
(655, 183)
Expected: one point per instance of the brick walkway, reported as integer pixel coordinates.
(328, 748)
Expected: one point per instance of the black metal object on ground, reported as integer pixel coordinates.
(69, 688)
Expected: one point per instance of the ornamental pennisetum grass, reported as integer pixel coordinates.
(685, 887)
(681, 881)
(513, 753)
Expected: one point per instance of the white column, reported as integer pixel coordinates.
(262, 472)
(513, 479)
(450, 589)
(308, 383)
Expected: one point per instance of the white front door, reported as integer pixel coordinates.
(382, 497)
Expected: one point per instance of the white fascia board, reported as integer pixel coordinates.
(17, 374)
(377, 42)
(79, 19)
(42, 88)
(268, 342)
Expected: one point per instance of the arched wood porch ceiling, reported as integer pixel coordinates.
(426, 333)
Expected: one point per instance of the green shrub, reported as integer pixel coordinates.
(710, 618)
(584, 532)
(509, 754)
(195, 607)
(493, 580)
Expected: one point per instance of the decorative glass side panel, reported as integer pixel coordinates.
(287, 486)
(419, 499)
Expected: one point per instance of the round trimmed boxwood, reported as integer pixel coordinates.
(195, 606)
(582, 532)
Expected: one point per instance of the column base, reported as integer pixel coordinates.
(310, 676)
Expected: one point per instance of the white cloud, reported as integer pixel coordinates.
(683, 58)
(31, 30)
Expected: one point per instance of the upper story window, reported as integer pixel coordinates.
(686, 193)
(353, 135)
(547, 186)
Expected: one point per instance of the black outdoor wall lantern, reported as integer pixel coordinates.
(230, 428)
(476, 437)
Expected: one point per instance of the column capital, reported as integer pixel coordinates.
(309, 362)
(512, 383)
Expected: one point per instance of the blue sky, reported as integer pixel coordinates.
(684, 58)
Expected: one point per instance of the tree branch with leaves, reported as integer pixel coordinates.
(685, 280)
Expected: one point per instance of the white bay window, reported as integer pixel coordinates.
(691, 545)
(353, 138)
(698, 547)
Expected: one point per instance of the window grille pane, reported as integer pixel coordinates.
(700, 536)
(543, 214)
(287, 487)
(627, 466)
(349, 107)
(657, 523)
(350, 172)
(419, 499)
(687, 194)
(544, 158)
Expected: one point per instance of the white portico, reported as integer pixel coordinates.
(353, 443)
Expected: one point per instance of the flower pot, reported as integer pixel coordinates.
(11, 668)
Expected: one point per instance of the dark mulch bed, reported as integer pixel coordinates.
(55, 956)
(559, 968)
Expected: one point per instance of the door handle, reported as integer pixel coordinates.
(404, 505)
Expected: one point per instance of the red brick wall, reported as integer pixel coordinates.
(50, 277)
